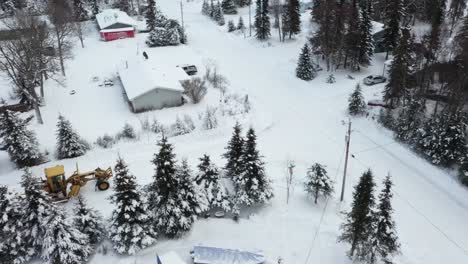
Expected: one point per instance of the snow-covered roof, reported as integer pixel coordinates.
(212, 255)
(170, 258)
(109, 17)
(117, 29)
(139, 77)
(376, 27)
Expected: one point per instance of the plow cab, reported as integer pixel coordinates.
(55, 180)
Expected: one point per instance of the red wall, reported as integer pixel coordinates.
(108, 36)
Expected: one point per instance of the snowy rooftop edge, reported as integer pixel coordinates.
(109, 17)
(213, 255)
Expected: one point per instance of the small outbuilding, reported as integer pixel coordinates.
(150, 87)
(115, 24)
(213, 255)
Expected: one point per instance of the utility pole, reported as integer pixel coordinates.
(182, 15)
(348, 139)
(250, 18)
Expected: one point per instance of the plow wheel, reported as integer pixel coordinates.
(103, 185)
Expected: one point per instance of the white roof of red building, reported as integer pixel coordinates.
(109, 17)
(139, 77)
(171, 258)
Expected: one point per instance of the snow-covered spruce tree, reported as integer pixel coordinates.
(37, 210)
(127, 132)
(443, 139)
(11, 250)
(366, 46)
(151, 16)
(352, 38)
(131, 229)
(179, 128)
(331, 78)
(384, 241)
(231, 27)
(79, 11)
(291, 18)
(212, 9)
(242, 3)
(167, 208)
(161, 19)
(400, 69)
(123, 5)
(393, 15)
(463, 173)
(69, 144)
(94, 7)
(253, 185)
(386, 118)
(209, 183)
(240, 24)
(188, 194)
(305, 70)
(229, 7)
(262, 20)
(318, 183)
(219, 15)
(357, 105)
(358, 227)
(210, 121)
(8, 7)
(205, 8)
(88, 221)
(63, 243)
(157, 38)
(234, 152)
(20, 143)
(410, 119)
(172, 36)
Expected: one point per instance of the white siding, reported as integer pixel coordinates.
(157, 99)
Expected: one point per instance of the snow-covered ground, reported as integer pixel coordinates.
(294, 120)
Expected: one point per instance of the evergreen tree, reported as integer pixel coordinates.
(231, 26)
(456, 11)
(292, 18)
(393, 14)
(331, 78)
(462, 41)
(63, 243)
(366, 46)
(240, 24)
(19, 142)
(262, 20)
(352, 38)
(131, 228)
(252, 186)
(8, 6)
(11, 250)
(358, 227)
(123, 5)
(161, 19)
(234, 152)
(400, 69)
(88, 221)
(79, 11)
(357, 105)
(410, 120)
(69, 144)
(157, 38)
(188, 193)
(37, 211)
(209, 183)
(229, 7)
(205, 8)
(305, 70)
(384, 241)
(94, 6)
(386, 118)
(443, 139)
(463, 173)
(151, 16)
(212, 9)
(318, 183)
(242, 3)
(218, 15)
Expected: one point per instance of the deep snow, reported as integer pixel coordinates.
(294, 120)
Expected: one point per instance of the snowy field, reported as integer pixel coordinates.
(294, 120)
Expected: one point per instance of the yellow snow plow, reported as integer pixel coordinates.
(57, 183)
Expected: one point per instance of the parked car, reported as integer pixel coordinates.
(374, 79)
(189, 69)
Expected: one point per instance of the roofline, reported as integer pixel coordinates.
(156, 88)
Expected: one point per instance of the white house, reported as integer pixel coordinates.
(115, 24)
(149, 87)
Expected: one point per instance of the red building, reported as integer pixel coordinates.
(114, 24)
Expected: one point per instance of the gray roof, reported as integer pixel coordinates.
(213, 255)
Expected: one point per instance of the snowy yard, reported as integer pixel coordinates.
(294, 120)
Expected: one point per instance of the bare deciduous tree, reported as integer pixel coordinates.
(61, 16)
(195, 89)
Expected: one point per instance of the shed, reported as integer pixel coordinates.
(213, 255)
(150, 87)
(115, 24)
(170, 258)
